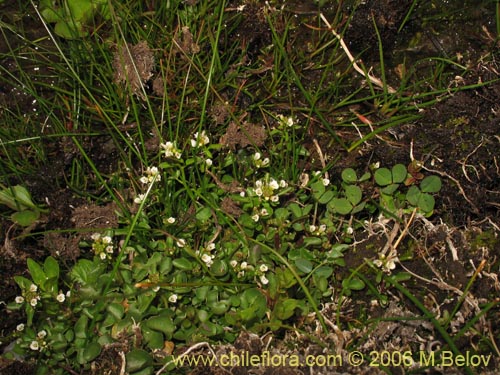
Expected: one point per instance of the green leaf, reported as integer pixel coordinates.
(36, 272)
(161, 323)
(431, 184)
(138, 359)
(399, 173)
(116, 310)
(341, 206)
(91, 352)
(389, 189)
(51, 268)
(303, 265)
(353, 194)
(413, 195)
(318, 189)
(182, 264)
(326, 197)
(25, 218)
(383, 176)
(285, 308)
(349, 175)
(295, 210)
(353, 284)
(204, 214)
(426, 202)
(80, 327)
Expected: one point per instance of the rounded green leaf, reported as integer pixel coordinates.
(413, 195)
(349, 175)
(25, 218)
(353, 284)
(341, 206)
(326, 197)
(426, 202)
(303, 265)
(91, 352)
(430, 184)
(138, 359)
(383, 176)
(354, 194)
(399, 173)
(219, 267)
(182, 264)
(161, 323)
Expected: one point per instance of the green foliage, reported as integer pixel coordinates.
(19, 199)
(73, 18)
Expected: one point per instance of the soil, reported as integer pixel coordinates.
(457, 139)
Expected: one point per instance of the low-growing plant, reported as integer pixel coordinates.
(18, 199)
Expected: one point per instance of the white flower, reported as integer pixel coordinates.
(275, 198)
(33, 288)
(34, 301)
(263, 268)
(19, 299)
(95, 236)
(60, 297)
(312, 228)
(171, 220)
(207, 259)
(181, 242)
(173, 298)
(258, 192)
(263, 279)
(211, 247)
(102, 256)
(152, 175)
(264, 212)
(242, 194)
(256, 156)
(326, 181)
(322, 229)
(140, 198)
(68, 294)
(283, 184)
(273, 184)
(144, 180)
(349, 230)
(208, 162)
(243, 265)
(41, 334)
(170, 150)
(200, 139)
(107, 240)
(34, 345)
(255, 217)
(233, 263)
(20, 327)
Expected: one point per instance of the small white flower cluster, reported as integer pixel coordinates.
(151, 175)
(200, 139)
(262, 213)
(241, 268)
(317, 230)
(170, 150)
(207, 257)
(287, 121)
(102, 246)
(244, 267)
(387, 262)
(173, 298)
(30, 295)
(258, 161)
(267, 188)
(262, 274)
(39, 344)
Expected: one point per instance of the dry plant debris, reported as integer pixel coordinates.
(133, 65)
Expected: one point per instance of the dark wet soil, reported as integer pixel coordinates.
(457, 139)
